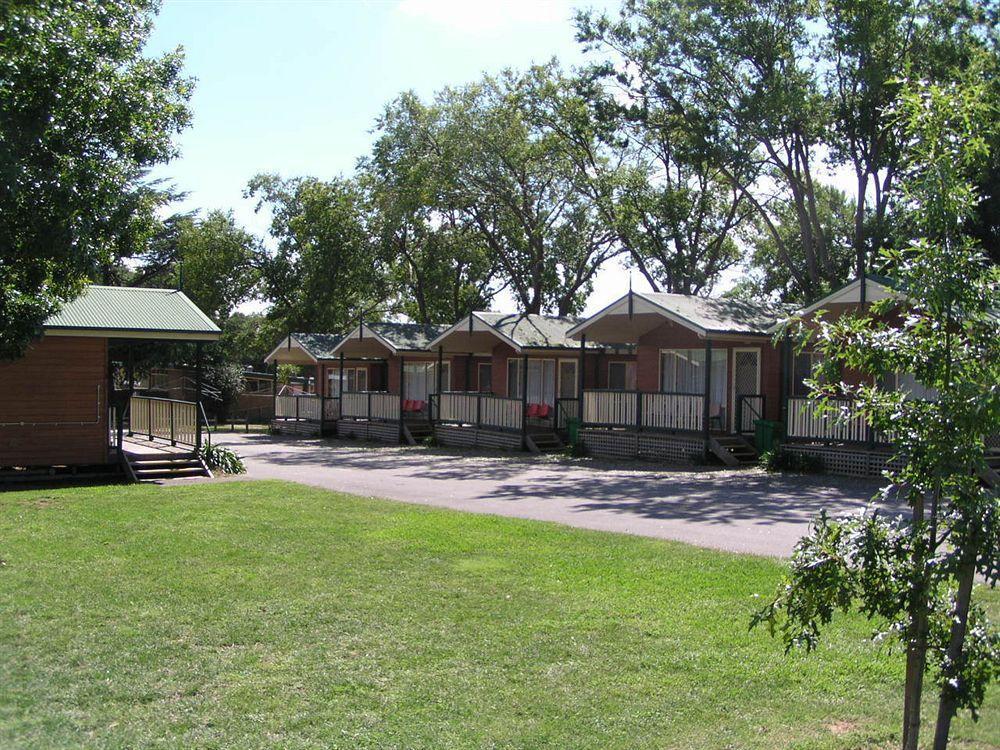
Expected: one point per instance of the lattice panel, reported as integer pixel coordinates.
(848, 462)
(470, 437)
(631, 445)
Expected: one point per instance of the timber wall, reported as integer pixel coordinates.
(59, 391)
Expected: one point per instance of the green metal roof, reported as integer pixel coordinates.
(133, 310)
(319, 345)
(408, 336)
(533, 331)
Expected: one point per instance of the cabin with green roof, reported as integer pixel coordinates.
(62, 410)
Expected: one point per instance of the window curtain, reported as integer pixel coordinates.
(683, 371)
(420, 379)
(541, 380)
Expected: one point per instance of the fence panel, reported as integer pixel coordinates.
(613, 408)
(673, 411)
(500, 412)
(459, 408)
(749, 409)
(566, 409)
(806, 421)
(167, 419)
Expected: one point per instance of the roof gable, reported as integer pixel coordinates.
(132, 311)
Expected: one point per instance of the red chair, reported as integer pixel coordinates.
(418, 406)
(543, 411)
(532, 411)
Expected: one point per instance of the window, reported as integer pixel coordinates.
(541, 380)
(802, 369)
(355, 379)
(621, 376)
(567, 378)
(908, 384)
(420, 379)
(683, 371)
(485, 377)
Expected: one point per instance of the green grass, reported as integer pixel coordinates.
(254, 614)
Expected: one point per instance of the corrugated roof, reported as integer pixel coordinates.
(533, 331)
(720, 314)
(409, 336)
(319, 345)
(132, 309)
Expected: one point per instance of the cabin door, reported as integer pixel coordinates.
(748, 404)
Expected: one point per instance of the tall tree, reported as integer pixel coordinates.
(211, 259)
(511, 175)
(324, 267)
(439, 264)
(83, 112)
(785, 90)
(919, 577)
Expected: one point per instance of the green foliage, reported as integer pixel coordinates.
(286, 373)
(919, 577)
(440, 267)
(325, 267)
(780, 460)
(210, 259)
(772, 93)
(83, 113)
(222, 458)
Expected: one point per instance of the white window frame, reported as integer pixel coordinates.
(518, 377)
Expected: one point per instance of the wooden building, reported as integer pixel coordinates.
(58, 403)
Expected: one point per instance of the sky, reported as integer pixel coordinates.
(294, 86)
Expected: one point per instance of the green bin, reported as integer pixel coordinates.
(766, 434)
(573, 428)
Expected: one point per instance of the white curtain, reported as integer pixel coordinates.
(541, 380)
(683, 371)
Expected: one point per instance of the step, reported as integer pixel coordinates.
(187, 471)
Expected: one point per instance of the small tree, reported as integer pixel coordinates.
(918, 576)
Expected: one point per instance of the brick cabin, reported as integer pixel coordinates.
(55, 408)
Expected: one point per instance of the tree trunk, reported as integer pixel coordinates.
(916, 642)
(948, 704)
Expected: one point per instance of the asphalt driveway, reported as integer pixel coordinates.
(742, 510)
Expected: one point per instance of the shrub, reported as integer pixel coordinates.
(221, 458)
(780, 460)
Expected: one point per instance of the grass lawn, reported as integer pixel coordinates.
(264, 614)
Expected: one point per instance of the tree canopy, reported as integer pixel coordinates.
(83, 114)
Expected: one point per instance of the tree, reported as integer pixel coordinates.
(770, 276)
(919, 576)
(512, 176)
(438, 262)
(211, 259)
(83, 113)
(324, 268)
(777, 92)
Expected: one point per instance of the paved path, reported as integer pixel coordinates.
(743, 511)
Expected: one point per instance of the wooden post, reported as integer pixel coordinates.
(130, 376)
(173, 441)
(706, 411)
(581, 377)
(197, 391)
(468, 372)
(784, 381)
(340, 385)
(440, 370)
(274, 385)
(402, 394)
(638, 410)
(524, 402)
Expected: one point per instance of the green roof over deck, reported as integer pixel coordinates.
(132, 312)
